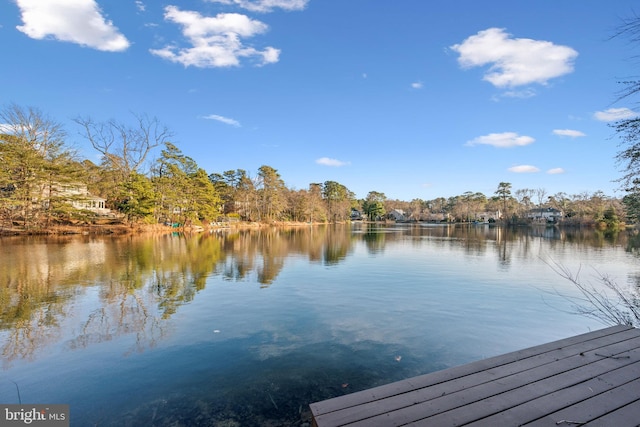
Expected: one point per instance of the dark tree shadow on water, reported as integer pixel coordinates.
(277, 391)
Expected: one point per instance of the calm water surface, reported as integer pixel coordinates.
(247, 328)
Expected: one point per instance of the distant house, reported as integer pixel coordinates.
(79, 197)
(356, 215)
(398, 215)
(545, 215)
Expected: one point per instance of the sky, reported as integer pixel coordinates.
(412, 98)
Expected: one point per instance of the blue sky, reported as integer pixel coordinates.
(413, 98)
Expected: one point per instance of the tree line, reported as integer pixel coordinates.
(39, 172)
(38, 168)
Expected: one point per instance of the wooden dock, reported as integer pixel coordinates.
(591, 379)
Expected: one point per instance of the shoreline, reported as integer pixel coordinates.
(132, 229)
(121, 229)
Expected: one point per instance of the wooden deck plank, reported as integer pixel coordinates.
(461, 391)
(594, 408)
(628, 415)
(470, 404)
(378, 406)
(511, 386)
(433, 378)
(560, 399)
(494, 406)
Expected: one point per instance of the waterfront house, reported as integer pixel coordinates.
(545, 215)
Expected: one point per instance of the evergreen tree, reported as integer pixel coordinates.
(271, 193)
(373, 205)
(137, 198)
(186, 193)
(338, 200)
(504, 192)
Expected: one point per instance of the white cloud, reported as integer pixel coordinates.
(502, 140)
(524, 169)
(225, 120)
(75, 21)
(568, 132)
(265, 5)
(215, 40)
(514, 62)
(326, 161)
(614, 114)
(141, 6)
(555, 171)
(417, 85)
(522, 94)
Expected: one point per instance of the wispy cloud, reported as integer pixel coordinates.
(514, 61)
(522, 94)
(502, 140)
(417, 85)
(524, 169)
(614, 114)
(327, 161)
(555, 171)
(569, 132)
(216, 41)
(74, 21)
(222, 119)
(265, 5)
(141, 6)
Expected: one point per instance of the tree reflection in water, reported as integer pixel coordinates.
(135, 284)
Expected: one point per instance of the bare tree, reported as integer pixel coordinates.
(125, 148)
(33, 162)
(540, 194)
(609, 304)
(628, 130)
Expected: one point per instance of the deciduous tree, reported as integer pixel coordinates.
(628, 130)
(35, 164)
(124, 148)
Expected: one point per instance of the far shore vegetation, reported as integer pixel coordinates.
(145, 182)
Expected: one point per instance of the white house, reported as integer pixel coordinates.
(78, 196)
(545, 215)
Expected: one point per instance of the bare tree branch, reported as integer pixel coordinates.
(610, 304)
(123, 147)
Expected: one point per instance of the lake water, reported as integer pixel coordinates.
(246, 328)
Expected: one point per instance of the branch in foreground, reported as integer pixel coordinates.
(609, 304)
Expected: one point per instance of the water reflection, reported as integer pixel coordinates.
(275, 318)
(139, 282)
(136, 282)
